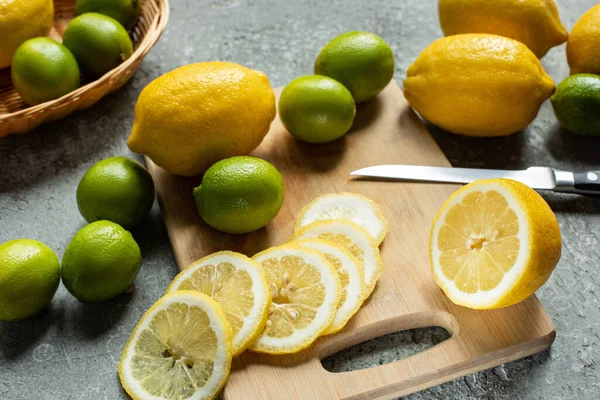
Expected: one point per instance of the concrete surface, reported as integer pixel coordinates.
(71, 350)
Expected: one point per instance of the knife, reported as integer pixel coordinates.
(541, 178)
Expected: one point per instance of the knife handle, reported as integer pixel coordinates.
(587, 182)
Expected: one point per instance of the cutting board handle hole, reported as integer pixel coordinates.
(385, 349)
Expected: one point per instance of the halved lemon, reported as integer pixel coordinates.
(180, 349)
(358, 209)
(305, 289)
(493, 243)
(354, 239)
(238, 284)
(351, 274)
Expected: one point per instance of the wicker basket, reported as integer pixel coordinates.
(18, 117)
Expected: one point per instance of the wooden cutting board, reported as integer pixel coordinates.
(406, 297)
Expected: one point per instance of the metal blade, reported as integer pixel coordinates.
(534, 177)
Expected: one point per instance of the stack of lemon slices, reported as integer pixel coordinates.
(278, 302)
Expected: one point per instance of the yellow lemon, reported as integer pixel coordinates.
(305, 290)
(198, 114)
(477, 85)
(180, 349)
(21, 20)
(238, 284)
(493, 244)
(535, 23)
(583, 43)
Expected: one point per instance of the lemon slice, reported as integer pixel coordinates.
(180, 349)
(359, 209)
(351, 274)
(238, 284)
(306, 291)
(493, 243)
(352, 238)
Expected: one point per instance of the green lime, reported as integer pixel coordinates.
(361, 61)
(43, 70)
(239, 194)
(100, 262)
(99, 43)
(124, 11)
(316, 109)
(116, 189)
(29, 277)
(576, 104)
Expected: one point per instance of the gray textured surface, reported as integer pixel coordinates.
(71, 350)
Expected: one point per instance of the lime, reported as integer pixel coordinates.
(576, 103)
(100, 262)
(99, 43)
(239, 194)
(124, 11)
(361, 61)
(29, 277)
(43, 70)
(316, 109)
(116, 189)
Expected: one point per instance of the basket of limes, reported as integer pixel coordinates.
(64, 55)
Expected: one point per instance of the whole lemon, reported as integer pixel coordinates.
(535, 23)
(361, 61)
(29, 277)
(239, 194)
(584, 42)
(43, 70)
(116, 189)
(316, 109)
(21, 20)
(100, 262)
(198, 114)
(477, 85)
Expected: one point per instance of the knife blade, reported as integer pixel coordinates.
(541, 178)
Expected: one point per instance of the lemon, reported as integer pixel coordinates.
(180, 349)
(477, 85)
(351, 274)
(535, 23)
(100, 262)
(239, 194)
(29, 277)
(359, 209)
(493, 244)
(125, 11)
(583, 43)
(316, 109)
(198, 114)
(361, 61)
(354, 239)
(116, 189)
(98, 42)
(21, 20)
(43, 70)
(238, 284)
(305, 291)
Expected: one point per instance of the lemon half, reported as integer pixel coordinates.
(493, 243)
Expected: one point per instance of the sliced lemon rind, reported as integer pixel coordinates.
(372, 263)
(356, 290)
(490, 298)
(218, 323)
(249, 332)
(302, 338)
(369, 216)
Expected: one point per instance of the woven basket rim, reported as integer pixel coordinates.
(155, 29)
